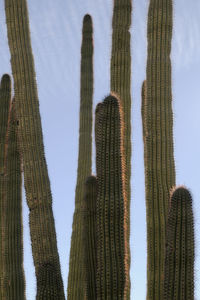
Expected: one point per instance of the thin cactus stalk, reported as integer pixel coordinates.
(112, 238)
(5, 100)
(12, 246)
(89, 234)
(158, 140)
(120, 74)
(76, 278)
(36, 179)
(179, 254)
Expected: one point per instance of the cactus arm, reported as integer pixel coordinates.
(13, 272)
(37, 185)
(179, 254)
(76, 277)
(112, 237)
(158, 141)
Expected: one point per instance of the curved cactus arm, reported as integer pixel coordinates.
(112, 211)
(179, 252)
(76, 277)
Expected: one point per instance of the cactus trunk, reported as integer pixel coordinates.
(36, 179)
(158, 140)
(12, 246)
(179, 257)
(76, 278)
(112, 238)
(89, 235)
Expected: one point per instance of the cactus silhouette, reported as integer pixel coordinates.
(76, 278)
(179, 254)
(13, 286)
(120, 74)
(158, 140)
(89, 235)
(37, 185)
(112, 237)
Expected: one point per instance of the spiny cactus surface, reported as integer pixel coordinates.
(36, 179)
(158, 140)
(179, 254)
(112, 236)
(76, 278)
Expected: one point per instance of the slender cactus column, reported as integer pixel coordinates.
(12, 246)
(76, 278)
(112, 211)
(37, 185)
(5, 100)
(158, 140)
(179, 254)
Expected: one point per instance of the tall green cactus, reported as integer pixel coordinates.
(179, 256)
(76, 278)
(120, 74)
(12, 247)
(112, 207)
(5, 100)
(158, 140)
(89, 235)
(37, 185)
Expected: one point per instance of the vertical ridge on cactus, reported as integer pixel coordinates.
(158, 140)
(179, 253)
(120, 74)
(89, 235)
(76, 277)
(36, 179)
(12, 247)
(112, 242)
(5, 100)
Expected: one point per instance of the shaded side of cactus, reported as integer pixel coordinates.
(12, 246)
(179, 252)
(76, 276)
(112, 243)
(5, 100)
(158, 140)
(120, 74)
(48, 286)
(89, 235)
(36, 179)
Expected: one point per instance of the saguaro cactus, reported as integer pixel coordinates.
(76, 277)
(179, 256)
(158, 140)
(37, 185)
(12, 247)
(112, 212)
(89, 235)
(5, 99)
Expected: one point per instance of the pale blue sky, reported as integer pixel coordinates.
(56, 40)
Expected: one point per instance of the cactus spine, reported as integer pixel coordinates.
(112, 241)
(12, 246)
(37, 185)
(76, 277)
(89, 235)
(158, 140)
(179, 257)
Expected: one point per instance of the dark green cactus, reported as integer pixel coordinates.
(37, 185)
(12, 246)
(89, 235)
(76, 278)
(179, 253)
(5, 100)
(158, 140)
(112, 212)
(48, 285)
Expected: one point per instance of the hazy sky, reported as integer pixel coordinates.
(56, 40)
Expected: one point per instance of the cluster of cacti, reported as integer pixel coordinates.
(100, 254)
